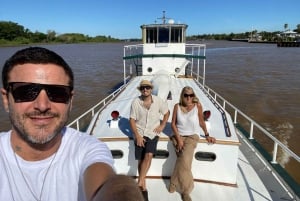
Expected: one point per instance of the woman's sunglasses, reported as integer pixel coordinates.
(27, 92)
(145, 87)
(189, 95)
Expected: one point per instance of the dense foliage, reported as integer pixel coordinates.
(14, 34)
(253, 35)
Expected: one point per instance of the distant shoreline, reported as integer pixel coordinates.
(54, 43)
(252, 41)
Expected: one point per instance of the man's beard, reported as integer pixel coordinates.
(19, 122)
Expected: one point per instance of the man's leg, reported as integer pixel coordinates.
(145, 163)
(144, 166)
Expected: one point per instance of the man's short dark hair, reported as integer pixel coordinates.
(35, 55)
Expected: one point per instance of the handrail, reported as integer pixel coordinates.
(164, 55)
(222, 101)
(93, 110)
(193, 52)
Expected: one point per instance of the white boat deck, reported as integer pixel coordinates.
(225, 150)
(123, 101)
(249, 187)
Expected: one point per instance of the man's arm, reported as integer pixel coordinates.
(95, 176)
(165, 118)
(139, 139)
(163, 123)
(133, 128)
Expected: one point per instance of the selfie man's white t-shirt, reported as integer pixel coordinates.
(64, 170)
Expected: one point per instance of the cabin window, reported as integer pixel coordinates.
(163, 35)
(205, 156)
(151, 35)
(117, 154)
(176, 35)
(161, 154)
(149, 69)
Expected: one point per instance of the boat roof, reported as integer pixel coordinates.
(163, 25)
(166, 22)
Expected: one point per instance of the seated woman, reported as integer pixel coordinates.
(187, 122)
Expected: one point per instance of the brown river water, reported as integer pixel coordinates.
(262, 80)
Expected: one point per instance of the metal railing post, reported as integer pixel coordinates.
(251, 132)
(275, 153)
(235, 116)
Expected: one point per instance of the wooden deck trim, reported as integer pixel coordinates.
(195, 180)
(124, 139)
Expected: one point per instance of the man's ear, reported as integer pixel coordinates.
(4, 95)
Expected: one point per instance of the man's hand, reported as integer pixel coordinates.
(140, 141)
(211, 140)
(119, 188)
(158, 129)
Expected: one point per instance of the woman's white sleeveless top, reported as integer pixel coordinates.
(188, 123)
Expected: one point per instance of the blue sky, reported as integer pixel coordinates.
(122, 18)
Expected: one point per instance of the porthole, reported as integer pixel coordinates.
(205, 156)
(161, 154)
(149, 69)
(117, 154)
(177, 70)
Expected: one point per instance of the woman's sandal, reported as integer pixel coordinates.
(186, 197)
(144, 193)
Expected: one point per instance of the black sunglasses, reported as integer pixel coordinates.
(189, 95)
(145, 87)
(27, 92)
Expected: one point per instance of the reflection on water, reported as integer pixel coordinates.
(260, 79)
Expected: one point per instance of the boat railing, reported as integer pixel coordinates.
(256, 131)
(222, 101)
(195, 53)
(198, 54)
(131, 53)
(82, 122)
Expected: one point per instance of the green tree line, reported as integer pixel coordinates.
(263, 35)
(12, 33)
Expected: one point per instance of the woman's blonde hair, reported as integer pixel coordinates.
(181, 99)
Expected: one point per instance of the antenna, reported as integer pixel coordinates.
(164, 18)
